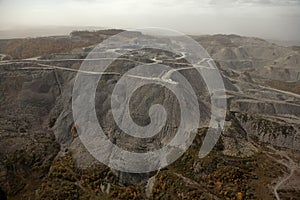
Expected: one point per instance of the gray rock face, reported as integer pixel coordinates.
(258, 57)
(262, 74)
(273, 130)
(236, 140)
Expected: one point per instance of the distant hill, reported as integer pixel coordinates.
(23, 32)
(32, 47)
(285, 43)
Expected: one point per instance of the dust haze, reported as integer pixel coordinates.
(269, 19)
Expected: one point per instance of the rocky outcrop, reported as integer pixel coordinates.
(275, 131)
(236, 140)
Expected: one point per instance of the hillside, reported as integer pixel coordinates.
(42, 157)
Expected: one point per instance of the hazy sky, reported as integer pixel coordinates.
(273, 19)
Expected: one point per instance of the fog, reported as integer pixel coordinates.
(271, 19)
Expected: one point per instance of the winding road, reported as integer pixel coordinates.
(165, 77)
(290, 164)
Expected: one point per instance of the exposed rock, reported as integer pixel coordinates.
(236, 140)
